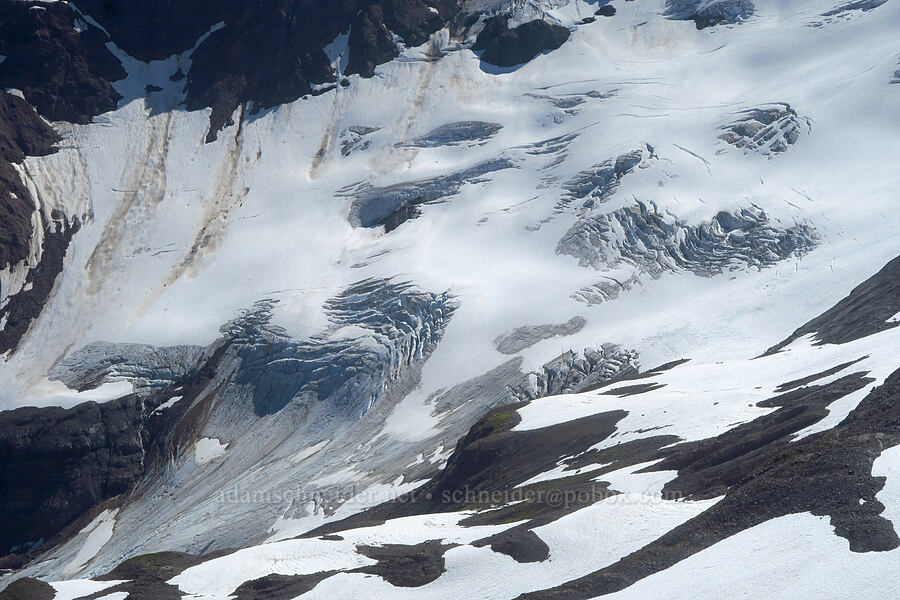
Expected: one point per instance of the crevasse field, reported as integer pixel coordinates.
(608, 198)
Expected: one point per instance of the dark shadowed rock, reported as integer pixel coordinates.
(64, 71)
(803, 381)
(505, 47)
(146, 576)
(406, 566)
(274, 54)
(28, 589)
(867, 310)
(279, 587)
(370, 42)
(827, 473)
(519, 543)
(22, 133)
(24, 307)
(58, 463)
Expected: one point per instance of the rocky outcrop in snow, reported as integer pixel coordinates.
(871, 307)
(505, 46)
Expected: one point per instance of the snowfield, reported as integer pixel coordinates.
(332, 293)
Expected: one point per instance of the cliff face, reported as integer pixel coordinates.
(58, 463)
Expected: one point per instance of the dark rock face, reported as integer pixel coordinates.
(709, 468)
(58, 463)
(146, 576)
(157, 29)
(22, 133)
(264, 55)
(278, 587)
(486, 465)
(28, 589)
(866, 311)
(25, 306)
(519, 543)
(828, 473)
(606, 11)
(59, 61)
(406, 566)
(370, 42)
(273, 55)
(505, 47)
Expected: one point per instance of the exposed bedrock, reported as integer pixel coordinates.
(390, 206)
(766, 477)
(22, 133)
(406, 565)
(248, 60)
(640, 236)
(28, 588)
(58, 60)
(23, 307)
(277, 587)
(867, 310)
(58, 463)
(768, 130)
(707, 13)
(503, 46)
(261, 57)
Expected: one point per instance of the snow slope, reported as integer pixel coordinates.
(619, 136)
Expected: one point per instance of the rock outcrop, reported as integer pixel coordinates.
(503, 46)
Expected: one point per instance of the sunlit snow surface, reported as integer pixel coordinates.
(182, 236)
